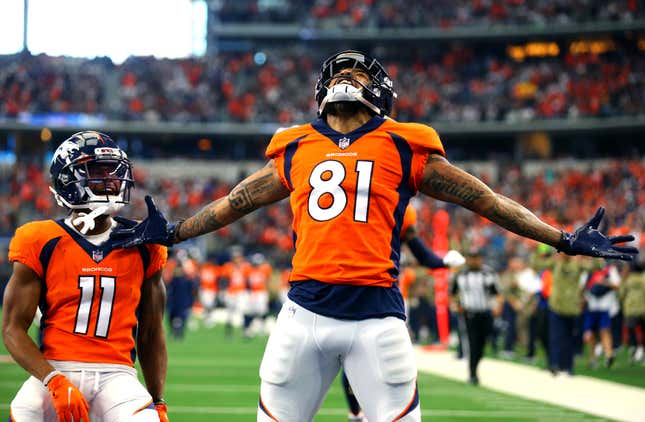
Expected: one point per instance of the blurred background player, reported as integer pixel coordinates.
(477, 296)
(565, 308)
(538, 331)
(512, 305)
(183, 287)
(349, 176)
(235, 276)
(98, 303)
(632, 295)
(208, 291)
(257, 302)
(600, 301)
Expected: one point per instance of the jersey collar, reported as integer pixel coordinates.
(96, 252)
(344, 140)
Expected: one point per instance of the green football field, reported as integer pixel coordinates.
(212, 378)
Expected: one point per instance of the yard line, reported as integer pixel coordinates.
(561, 416)
(215, 362)
(216, 388)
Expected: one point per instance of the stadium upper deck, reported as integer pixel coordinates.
(423, 13)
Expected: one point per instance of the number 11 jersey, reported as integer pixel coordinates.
(89, 295)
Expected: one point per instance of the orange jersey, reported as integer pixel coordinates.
(407, 279)
(237, 275)
(208, 277)
(90, 294)
(348, 196)
(409, 218)
(259, 277)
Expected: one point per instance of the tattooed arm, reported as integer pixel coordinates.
(259, 189)
(448, 183)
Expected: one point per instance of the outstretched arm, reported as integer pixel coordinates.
(259, 189)
(444, 181)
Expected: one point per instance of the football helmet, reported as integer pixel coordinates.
(89, 171)
(378, 95)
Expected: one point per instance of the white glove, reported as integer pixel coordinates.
(453, 259)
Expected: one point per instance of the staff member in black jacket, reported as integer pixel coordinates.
(476, 295)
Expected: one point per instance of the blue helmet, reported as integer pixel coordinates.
(89, 171)
(378, 96)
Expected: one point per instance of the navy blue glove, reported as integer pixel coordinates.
(154, 229)
(587, 240)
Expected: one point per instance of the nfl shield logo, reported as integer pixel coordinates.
(343, 143)
(97, 256)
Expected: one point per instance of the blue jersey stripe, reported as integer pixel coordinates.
(349, 302)
(405, 193)
(289, 152)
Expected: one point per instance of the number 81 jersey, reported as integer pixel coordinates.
(348, 196)
(89, 295)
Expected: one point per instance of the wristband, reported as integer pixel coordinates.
(49, 376)
(175, 232)
(563, 243)
(159, 401)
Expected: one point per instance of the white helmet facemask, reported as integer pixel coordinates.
(344, 91)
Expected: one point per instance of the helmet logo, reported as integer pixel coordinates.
(65, 149)
(343, 142)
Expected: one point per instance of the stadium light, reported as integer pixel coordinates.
(118, 28)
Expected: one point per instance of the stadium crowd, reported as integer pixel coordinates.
(435, 84)
(404, 13)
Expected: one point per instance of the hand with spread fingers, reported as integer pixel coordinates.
(587, 240)
(154, 229)
(68, 401)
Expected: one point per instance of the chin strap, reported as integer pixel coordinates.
(88, 219)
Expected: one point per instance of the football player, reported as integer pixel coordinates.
(257, 301)
(101, 306)
(349, 176)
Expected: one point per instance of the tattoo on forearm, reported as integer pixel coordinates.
(241, 200)
(203, 222)
(514, 217)
(441, 184)
(244, 197)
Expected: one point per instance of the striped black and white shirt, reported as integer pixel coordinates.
(476, 288)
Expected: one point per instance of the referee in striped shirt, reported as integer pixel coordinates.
(476, 296)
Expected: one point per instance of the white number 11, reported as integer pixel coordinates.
(86, 286)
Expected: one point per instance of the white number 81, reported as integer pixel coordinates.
(332, 186)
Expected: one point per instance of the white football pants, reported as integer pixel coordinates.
(305, 352)
(112, 396)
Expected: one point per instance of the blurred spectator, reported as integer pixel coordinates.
(182, 290)
(600, 296)
(565, 308)
(632, 293)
